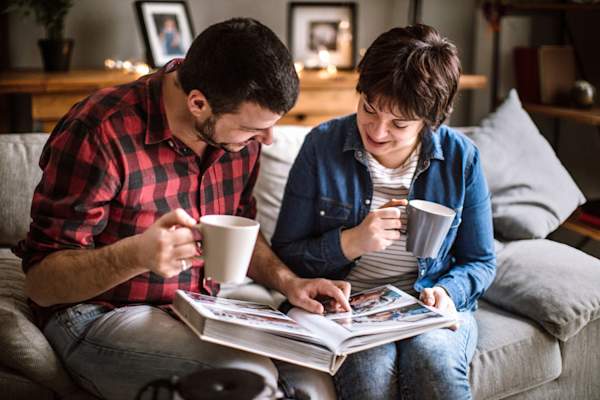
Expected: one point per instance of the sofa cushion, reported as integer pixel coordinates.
(275, 163)
(554, 284)
(17, 387)
(532, 192)
(513, 355)
(25, 350)
(19, 174)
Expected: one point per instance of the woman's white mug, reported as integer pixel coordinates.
(227, 246)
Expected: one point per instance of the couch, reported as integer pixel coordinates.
(539, 323)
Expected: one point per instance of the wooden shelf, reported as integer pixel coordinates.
(588, 116)
(311, 79)
(504, 8)
(538, 7)
(573, 224)
(472, 82)
(35, 81)
(322, 96)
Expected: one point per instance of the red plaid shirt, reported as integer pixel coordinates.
(112, 167)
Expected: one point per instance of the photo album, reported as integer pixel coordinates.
(380, 315)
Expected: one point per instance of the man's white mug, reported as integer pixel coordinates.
(227, 246)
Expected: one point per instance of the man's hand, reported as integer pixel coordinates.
(304, 292)
(437, 297)
(168, 246)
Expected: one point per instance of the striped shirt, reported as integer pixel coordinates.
(394, 265)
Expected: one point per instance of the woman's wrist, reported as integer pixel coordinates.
(348, 242)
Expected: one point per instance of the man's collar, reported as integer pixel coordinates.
(157, 126)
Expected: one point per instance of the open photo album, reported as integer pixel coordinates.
(380, 315)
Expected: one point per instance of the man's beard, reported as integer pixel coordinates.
(206, 132)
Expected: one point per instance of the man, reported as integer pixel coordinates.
(126, 175)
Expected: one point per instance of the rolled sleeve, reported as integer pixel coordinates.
(71, 203)
(473, 251)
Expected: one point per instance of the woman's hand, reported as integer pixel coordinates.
(375, 233)
(437, 297)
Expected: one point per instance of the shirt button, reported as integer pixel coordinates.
(321, 213)
(422, 272)
(170, 143)
(359, 153)
(367, 201)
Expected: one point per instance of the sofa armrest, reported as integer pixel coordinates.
(25, 349)
(551, 283)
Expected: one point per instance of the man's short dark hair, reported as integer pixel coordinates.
(240, 60)
(413, 70)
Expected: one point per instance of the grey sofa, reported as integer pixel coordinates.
(539, 325)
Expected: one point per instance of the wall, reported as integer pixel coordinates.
(108, 29)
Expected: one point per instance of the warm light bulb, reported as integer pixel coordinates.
(298, 66)
(142, 68)
(109, 63)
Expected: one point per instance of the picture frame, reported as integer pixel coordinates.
(167, 30)
(322, 34)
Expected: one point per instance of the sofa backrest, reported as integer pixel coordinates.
(19, 175)
(275, 163)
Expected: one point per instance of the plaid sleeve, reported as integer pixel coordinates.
(71, 203)
(247, 205)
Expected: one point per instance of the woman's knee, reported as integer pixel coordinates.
(368, 374)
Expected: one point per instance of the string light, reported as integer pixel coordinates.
(129, 66)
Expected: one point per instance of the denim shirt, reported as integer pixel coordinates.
(329, 189)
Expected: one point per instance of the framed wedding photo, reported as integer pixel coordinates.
(322, 34)
(167, 30)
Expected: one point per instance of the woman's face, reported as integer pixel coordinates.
(385, 134)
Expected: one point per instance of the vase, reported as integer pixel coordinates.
(56, 53)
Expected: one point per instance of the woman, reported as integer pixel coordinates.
(341, 216)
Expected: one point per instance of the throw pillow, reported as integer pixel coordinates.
(553, 284)
(532, 192)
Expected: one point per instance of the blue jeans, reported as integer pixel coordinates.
(113, 353)
(433, 365)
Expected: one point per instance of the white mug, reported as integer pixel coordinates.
(227, 246)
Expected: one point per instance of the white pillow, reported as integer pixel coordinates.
(275, 163)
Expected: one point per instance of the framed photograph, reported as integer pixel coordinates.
(322, 34)
(167, 29)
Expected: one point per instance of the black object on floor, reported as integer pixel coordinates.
(213, 384)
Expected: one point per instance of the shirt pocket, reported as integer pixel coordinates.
(332, 214)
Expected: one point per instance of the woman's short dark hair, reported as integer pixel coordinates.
(413, 70)
(240, 60)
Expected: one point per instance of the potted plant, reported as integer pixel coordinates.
(56, 50)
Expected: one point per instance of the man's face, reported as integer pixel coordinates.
(233, 131)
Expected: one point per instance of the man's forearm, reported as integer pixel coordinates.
(72, 276)
(267, 269)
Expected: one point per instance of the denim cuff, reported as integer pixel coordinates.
(331, 248)
(456, 292)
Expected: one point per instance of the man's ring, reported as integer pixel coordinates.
(185, 265)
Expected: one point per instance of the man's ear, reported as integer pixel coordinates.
(198, 104)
